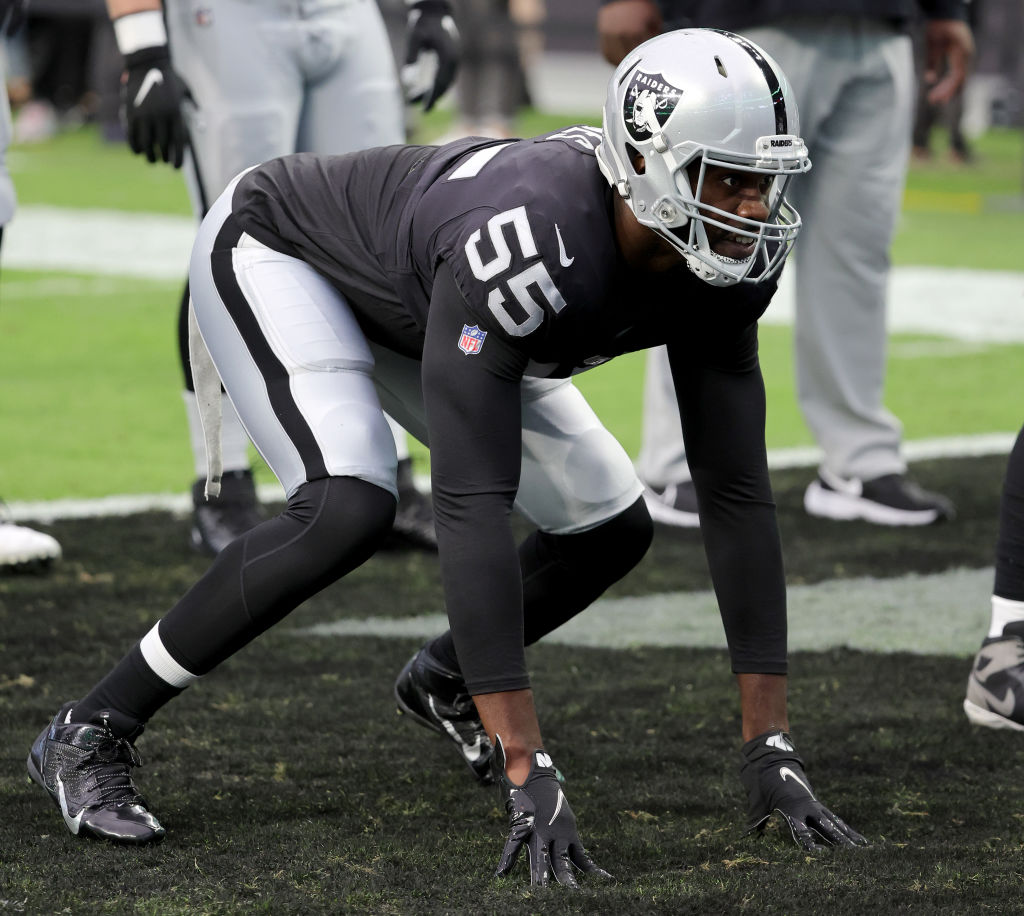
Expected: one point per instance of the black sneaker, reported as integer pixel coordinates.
(995, 686)
(87, 772)
(414, 520)
(676, 505)
(890, 500)
(437, 699)
(217, 521)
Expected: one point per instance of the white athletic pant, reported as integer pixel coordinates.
(311, 390)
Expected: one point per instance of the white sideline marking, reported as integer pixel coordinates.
(181, 503)
(942, 614)
(152, 245)
(964, 304)
(955, 302)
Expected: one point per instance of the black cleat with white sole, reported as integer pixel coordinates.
(995, 687)
(86, 770)
(436, 698)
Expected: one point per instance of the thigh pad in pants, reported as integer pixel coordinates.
(295, 364)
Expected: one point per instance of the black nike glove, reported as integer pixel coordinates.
(541, 820)
(773, 775)
(12, 15)
(151, 99)
(432, 52)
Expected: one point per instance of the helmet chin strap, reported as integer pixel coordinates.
(709, 274)
(705, 271)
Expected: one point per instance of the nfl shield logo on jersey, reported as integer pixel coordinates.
(472, 339)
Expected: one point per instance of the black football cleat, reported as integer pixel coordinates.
(414, 519)
(436, 698)
(217, 521)
(86, 770)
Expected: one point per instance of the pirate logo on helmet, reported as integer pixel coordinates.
(648, 102)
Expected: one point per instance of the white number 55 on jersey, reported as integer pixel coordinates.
(522, 284)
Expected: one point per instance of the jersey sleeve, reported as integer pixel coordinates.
(471, 381)
(722, 411)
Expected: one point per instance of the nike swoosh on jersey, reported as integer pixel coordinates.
(563, 258)
(72, 822)
(786, 771)
(152, 78)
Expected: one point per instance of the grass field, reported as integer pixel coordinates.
(286, 780)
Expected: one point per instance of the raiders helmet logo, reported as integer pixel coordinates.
(648, 102)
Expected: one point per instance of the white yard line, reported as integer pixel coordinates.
(971, 305)
(942, 614)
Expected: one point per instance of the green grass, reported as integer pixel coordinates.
(77, 169)
(90, 387)
(89, 381)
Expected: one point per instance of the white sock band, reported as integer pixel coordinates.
(140, 30)
(1004, 611)
(159, 659)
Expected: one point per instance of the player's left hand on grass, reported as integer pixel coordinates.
(541, 820)
(773, 775)
(432, 52)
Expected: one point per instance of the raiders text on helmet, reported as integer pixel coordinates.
(709, 97)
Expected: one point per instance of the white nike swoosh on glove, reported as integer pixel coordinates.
(153, 78)
(786, 771)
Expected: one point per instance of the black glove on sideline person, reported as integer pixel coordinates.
(151, 97)
(773, 775)
(432, 52)
(541, 820)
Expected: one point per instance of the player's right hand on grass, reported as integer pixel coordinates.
(541, 820)
(773, 775)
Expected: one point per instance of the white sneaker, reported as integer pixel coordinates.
(22, 547)
(893, 499)
(676, 505)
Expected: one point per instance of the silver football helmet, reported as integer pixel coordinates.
(707, 97)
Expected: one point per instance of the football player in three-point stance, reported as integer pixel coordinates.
(459, 288)
(221, 87)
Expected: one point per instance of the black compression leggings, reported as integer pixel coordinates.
(564, 573)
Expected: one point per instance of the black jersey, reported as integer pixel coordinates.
(526, 228)
(490, 260)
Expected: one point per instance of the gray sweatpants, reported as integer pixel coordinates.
(272, 77)
(854, 85)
